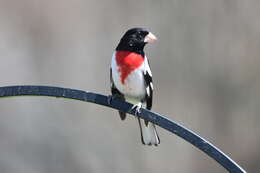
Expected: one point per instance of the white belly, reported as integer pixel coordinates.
(133, 86)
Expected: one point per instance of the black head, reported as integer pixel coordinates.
(135, 39)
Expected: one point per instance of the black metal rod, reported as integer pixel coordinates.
(179, 130)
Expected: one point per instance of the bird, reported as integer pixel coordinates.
(131, 78)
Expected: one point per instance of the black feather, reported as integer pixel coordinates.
(117, 94)
(149, 95)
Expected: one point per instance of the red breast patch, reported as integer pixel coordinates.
(127, 62)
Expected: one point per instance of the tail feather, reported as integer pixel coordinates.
(149, 135)
(122, 115)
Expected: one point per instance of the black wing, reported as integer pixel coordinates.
(114, 90)
(116, 93)
(148, 85)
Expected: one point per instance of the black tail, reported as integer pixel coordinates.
(122, 115)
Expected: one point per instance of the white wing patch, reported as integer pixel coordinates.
(151, 85)
(148, 91)
(146, 67)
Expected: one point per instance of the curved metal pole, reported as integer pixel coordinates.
(160, 120)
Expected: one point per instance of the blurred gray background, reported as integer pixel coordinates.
(206, 76)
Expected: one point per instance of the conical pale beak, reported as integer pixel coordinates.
(150, 38)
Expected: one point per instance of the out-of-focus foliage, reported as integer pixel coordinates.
(206, 76)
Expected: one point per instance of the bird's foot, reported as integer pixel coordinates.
(137, 108)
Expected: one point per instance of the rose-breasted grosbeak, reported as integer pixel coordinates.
(131, 78)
